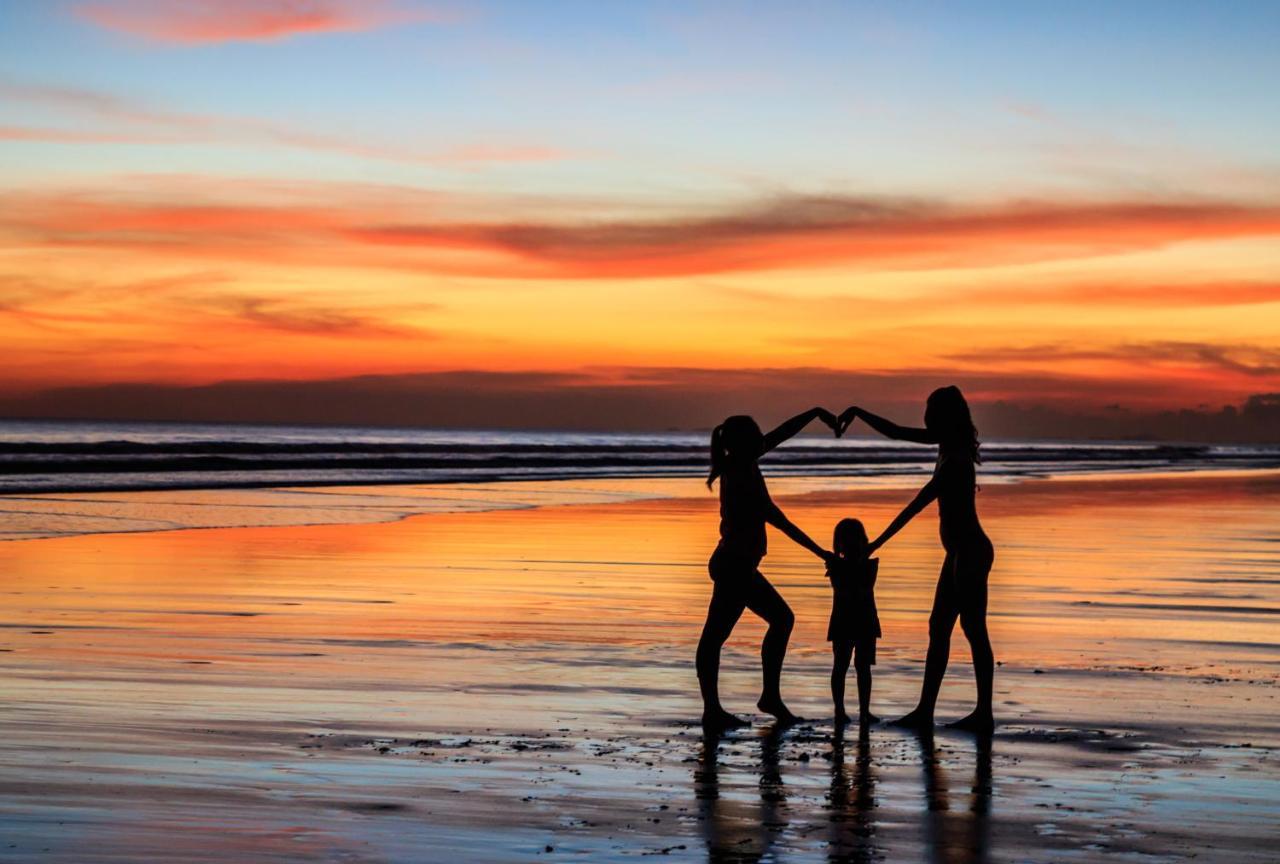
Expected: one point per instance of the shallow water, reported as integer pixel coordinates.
(481, 685)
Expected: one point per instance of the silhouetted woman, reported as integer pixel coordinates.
(962, 585)
(745, 507)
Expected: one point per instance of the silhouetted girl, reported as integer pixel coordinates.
(855, 624)
(745, 507)
(962, 585)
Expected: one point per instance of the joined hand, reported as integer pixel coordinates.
(845, 420)
(829, 420)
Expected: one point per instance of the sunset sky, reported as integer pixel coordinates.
(1074, 205)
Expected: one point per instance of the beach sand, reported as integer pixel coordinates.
(515, 683)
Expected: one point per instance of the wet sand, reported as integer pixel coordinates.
(515, 683)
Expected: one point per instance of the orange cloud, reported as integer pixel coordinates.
(192, 22)
(204, 296)
(799, 232)
(1161, 295)
(1132, 295)
(273, 313)
(1245, 360)
(793, 233)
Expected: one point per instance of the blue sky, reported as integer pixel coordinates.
(696, 97)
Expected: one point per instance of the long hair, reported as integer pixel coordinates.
(718, 455)
(733, 438)
(947, 413)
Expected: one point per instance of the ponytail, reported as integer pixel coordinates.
(737, 439)
(718, 454)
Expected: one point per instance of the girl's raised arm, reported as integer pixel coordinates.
(792, 427)
(887, 428)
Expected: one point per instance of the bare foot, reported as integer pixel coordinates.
(778, 710)
(721, 720)
(917, 719)
(979, 722)
(843, 719)
(866, 718)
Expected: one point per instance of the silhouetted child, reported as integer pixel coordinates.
(855, 624)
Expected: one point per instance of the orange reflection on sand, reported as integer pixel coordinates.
(1079, 565)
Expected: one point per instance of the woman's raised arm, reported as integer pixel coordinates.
(887, 428)
(792, 427)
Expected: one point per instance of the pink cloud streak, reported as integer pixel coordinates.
(61, 136)
(195, 22)
(145, 123)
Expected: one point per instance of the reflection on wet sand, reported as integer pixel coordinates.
(955, 828)
(955, 833)
(732, 830)
(852, 837)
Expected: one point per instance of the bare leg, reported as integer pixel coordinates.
(972, 576)
(764, 600)
(722, 615)
(935, 664)
(941, 622)
(982, 719)
(865, 716)
(973, 621)
(841, 653)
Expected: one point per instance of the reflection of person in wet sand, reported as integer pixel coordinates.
(745, 508)
(732, 831)
(962, 584)
(956, 836)
(852, 799)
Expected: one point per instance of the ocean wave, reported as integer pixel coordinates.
(42, 457)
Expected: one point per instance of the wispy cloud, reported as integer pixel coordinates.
(63, 136)
(807, 232)
(1247, 360)
(1134, 294)
(134, 121)
(209, 297)
(194, 22)
(1130, 294)
(292, 316)
(793, 233)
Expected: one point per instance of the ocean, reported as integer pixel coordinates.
(38, 456)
